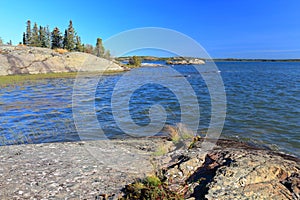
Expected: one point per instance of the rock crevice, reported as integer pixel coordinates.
(232, 173)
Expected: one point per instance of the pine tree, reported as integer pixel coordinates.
(69, 37)
(107, 54)
(65, 41)
(24, 38)
(42, 37)
(48, 36)
(35, 36)
(28, 33)
(78, 45)
(88, 48)
(99, 48)
(56, 38)
(1, 41)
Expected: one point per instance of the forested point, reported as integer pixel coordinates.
(41, 36)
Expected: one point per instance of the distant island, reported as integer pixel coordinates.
(154, 58)
(251, 60)
(24, 59)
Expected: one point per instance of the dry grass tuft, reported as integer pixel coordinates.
(172, 132)
(178, 132)
(61, 51)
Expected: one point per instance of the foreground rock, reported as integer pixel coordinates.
(33, 60)
(77, 170)
(231, 171)
(102, 169)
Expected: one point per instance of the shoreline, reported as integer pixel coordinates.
(153, 58)
(6, 80)
(74, 170)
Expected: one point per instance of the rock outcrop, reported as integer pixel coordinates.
(194, 61)
(100, 169)
(151, 65)
(232, 170)
(33, 60)
(72, 170)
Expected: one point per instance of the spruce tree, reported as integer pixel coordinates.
(78, 45)
(48, 36)
(28, 33)
(42, 37)
(24, 38)
(65, 40)
(99, 48)
(35, 36)
(56, 38)
(107, 54)
(69, 38)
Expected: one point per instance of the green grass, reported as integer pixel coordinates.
(132, 66)
(161, 150)
(20, 79)
(150, 188)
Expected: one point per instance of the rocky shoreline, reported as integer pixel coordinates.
(194, 61)
(102, 169)
(34, 60)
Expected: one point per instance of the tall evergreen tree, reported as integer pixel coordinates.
(28, 33)
(69, 38)
(48, 36)
(107, 54)
(99, 48)
(56, 38)
(24, 38)
(78, 45)
(42, 37)
(1, 41)
(35, 36)
(65, 40)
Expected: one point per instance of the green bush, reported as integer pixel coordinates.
(150, 188)
(135, 61)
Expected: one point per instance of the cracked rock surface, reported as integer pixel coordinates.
(34, 60)
(101, 169)
(233, 170)
(75, 170)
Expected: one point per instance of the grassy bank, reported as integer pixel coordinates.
(19, 79)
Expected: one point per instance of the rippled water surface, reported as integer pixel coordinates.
(262, 104)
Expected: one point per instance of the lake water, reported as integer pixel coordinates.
(262, 104)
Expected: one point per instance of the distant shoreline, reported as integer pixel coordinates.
(253, 60)
(154, 58)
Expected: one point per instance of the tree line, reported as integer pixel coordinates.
(39, 36)
(2, 43)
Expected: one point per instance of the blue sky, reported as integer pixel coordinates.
(225, 28)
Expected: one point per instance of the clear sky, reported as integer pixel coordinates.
(225, 28)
